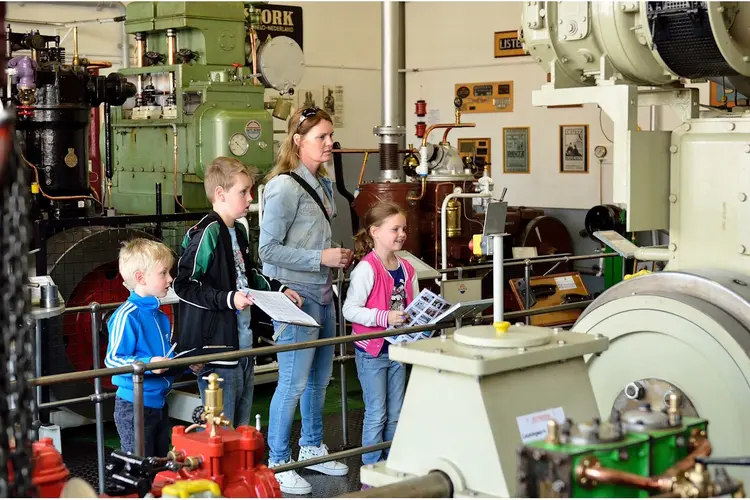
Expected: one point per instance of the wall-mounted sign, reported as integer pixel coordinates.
(574, 149)
(516, 148)
(486, 97)
(277, 20)
(507, 44)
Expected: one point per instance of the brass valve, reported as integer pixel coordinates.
(213, 413)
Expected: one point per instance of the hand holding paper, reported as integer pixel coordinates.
(281, 308)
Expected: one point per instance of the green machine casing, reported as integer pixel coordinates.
(215, 101)
(549, 470)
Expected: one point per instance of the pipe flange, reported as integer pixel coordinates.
(449, 469)
(382, 130)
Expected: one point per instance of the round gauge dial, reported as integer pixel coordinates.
(238, 144)
(600, 151)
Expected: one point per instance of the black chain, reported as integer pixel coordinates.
(17, 351)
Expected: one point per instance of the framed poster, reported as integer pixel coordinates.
(574, 149)
(516, 150)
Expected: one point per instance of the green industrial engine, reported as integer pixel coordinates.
(201, 77)
(637, 454)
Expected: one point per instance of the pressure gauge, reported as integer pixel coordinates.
(238, 144)
(600, 151)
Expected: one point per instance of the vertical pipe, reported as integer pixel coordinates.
(527, 279)
(171, 45)
(108, 151)
(95, 329)
(76, 61)
(159, 211)
(497, 281)
(342, 364)
(38, 362)
(140, 440)
(140, 49)
(389, 57)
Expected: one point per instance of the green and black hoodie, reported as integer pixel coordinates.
(206, 285)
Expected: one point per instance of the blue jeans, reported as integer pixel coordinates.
(157, 431)
(238, 387)
(383, 385)
(302, 373)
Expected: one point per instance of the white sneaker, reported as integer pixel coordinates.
(291, 482)
(331, 468)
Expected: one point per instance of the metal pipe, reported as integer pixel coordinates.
(262, 351)
(140, 49)
(339, 455)
(389, 103)
(38, 362)
(108, 171)
(171, 46)
(76, 60)
(96, 319)
(362, 151)
(342, 366)
(436, 484)
(702, 449)
(604, 475)
(443, 222)
(527, 298)
(497, 279)
(140, 441)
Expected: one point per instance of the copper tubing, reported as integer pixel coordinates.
(36, 178)
(98, 64)
(702, 449)
(421, 194)
(254, 47)
(604, 475)
(362, 171)
(372, 151)
(76, 60)
(444, 125)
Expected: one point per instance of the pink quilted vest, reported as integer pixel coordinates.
(380, 298)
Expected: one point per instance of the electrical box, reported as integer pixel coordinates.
(478, 149)
(486, 97)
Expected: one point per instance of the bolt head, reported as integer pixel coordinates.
(741, 249)
(673, 198)
(742, 196)
(672, 247)
(561, 342)
(673, 149)
(521, 349)
(731, 126)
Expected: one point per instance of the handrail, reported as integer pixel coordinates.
(262, 351)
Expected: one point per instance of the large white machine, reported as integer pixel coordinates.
(684, 331)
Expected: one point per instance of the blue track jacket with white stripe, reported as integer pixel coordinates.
(138, 331)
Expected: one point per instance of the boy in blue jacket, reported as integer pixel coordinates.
(139, 331)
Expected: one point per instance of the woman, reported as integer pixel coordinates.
(295, 247)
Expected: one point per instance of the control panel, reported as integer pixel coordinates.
(486, 97)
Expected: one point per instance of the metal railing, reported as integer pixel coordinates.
(138, 369)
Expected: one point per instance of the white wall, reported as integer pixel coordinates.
(97, 41)
(452, 42)
(345, 53)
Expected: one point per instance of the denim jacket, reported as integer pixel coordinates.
(294, 231)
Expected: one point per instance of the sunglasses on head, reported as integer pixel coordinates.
(307, 113)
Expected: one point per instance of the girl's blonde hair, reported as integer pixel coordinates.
(288, 159)
(375, 216)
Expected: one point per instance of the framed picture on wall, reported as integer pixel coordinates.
(516, 150)
(574, 149)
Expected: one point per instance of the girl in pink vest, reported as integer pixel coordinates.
(381, 287)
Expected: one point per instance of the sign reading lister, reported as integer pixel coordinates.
(508, 45)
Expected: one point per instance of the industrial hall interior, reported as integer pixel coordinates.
(379, 249)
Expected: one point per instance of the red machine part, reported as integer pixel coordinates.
(421, 129)
(232, 459)
(420, 107)
(50, 473)
(103, 285)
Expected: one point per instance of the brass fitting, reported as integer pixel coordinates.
(553, 434)
(673, 410)
(213, 412)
